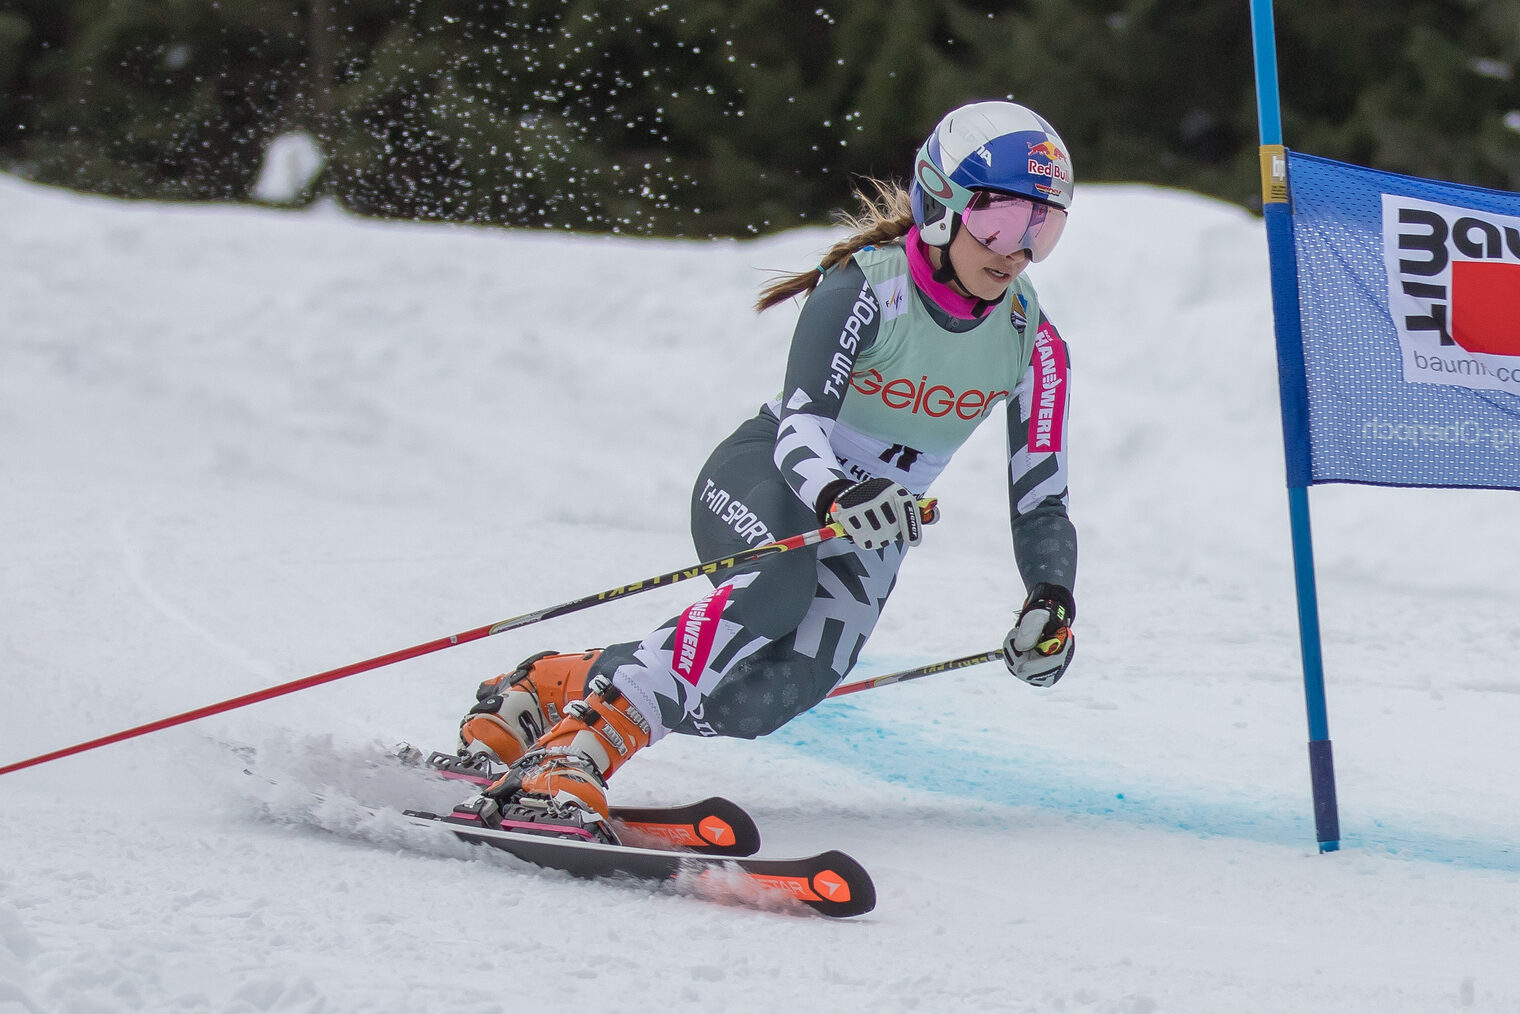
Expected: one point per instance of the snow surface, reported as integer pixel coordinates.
(240, 446)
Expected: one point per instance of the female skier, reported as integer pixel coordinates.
(912, 330)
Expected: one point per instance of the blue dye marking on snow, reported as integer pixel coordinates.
(844, 734)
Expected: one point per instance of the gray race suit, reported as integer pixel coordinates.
(880, 381)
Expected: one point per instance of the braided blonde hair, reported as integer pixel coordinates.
(886, 217)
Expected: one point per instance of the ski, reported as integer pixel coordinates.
(830, 883)
(714, 826)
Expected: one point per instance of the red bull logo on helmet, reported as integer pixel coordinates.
(1048, 160)
(1047, 150)
(1045, 159)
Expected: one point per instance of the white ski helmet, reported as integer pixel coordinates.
(1001, 147)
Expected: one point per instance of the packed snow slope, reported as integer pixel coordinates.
(239, 447)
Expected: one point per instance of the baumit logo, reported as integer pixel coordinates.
(1454, 292)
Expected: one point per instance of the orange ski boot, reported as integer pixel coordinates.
(514, 710)
(562, 781)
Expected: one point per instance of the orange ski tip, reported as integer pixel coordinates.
(798, 887)
(831, 886)
(825, 885)
(717, 831)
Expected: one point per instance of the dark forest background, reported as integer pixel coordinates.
(694, 117)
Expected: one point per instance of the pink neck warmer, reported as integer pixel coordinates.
(944, 296)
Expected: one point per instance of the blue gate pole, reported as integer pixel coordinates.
(1294, 396)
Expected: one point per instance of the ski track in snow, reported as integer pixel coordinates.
(132, 562)
(242, 447)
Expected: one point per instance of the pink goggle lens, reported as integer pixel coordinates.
(1006, 224)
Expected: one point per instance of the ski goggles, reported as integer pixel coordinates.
(1006, 224)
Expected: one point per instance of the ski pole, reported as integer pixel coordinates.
(802, 539)
(913, 674)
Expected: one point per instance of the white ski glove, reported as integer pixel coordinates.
(1041, 645)
(875, 513)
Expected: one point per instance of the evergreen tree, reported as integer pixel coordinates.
(172, 98)
(701, 117)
